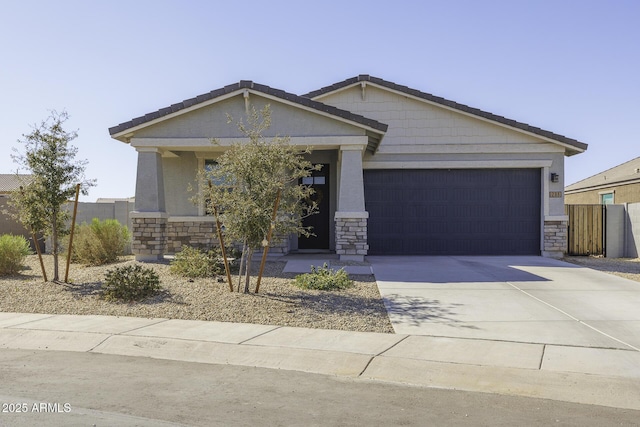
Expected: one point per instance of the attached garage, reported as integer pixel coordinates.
(453, 211)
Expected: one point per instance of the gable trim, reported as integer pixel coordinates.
(573, 146)
(125, 130)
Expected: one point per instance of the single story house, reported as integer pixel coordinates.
(404, 172)
(620, 184)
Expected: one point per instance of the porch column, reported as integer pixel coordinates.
(350, 216)
(149, 218)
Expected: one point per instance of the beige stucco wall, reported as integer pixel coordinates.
(179, 173)
(211, 121)
(622, 194)
(414, 122)
(424, 136)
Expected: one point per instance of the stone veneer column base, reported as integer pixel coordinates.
(555, 239)
(351, 235)
(149, 235)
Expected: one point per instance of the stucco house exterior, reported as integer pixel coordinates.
(404, 172)
(620, 184)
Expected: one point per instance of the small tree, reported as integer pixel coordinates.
(49, 157)
(248, 178)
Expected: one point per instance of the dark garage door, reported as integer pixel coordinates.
(453, 212)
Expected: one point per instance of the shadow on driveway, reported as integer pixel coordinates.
(413, 311)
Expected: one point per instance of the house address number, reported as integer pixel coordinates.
(555, 194)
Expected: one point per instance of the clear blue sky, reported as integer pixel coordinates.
(568, 66)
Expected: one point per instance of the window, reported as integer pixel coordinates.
(606, 198)
(310, 180)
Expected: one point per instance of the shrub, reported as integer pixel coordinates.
(324, 279)
(100, 242)
(192, 262)
(130, 283)
(13, 251)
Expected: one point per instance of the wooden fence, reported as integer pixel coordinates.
(586, 229)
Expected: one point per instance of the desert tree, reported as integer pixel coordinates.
(247, 180)
(50, 158)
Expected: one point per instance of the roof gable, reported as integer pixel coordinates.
(572, 146)
(11, 182)
(123, 130)
(624, 173)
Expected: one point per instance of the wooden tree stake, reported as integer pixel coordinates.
(221, 240)
(73, 227)
(266, 248)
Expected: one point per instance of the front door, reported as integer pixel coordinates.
(319, 180)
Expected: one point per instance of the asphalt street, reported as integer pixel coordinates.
(57, 388)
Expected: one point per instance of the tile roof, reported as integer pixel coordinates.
(248, 84)
(451, 104)
(10, 181)
(624, 173)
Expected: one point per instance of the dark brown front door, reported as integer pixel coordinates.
(319, 180)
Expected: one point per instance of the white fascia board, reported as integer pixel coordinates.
(205, 144)
(458, 164)
(470, 148)
(455, 110)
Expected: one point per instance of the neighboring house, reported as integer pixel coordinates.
(618, 185)
(405, 172)
(8, 184)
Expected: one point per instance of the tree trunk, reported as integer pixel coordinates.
(54, 243)
(247, 279)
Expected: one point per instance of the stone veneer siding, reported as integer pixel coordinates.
(555, 236)
(351, 236)
(149, 236)
(153, 236)
(197, 234)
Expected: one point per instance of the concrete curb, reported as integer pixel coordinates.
(598, 376)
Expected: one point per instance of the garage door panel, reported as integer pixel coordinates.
(461, 212)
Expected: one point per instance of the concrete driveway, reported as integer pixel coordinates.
(520, 298)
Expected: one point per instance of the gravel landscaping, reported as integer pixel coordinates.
(629, 268)
(358, 308)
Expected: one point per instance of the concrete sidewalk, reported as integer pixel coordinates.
(609, 377)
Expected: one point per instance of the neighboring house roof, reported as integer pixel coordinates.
(574, 145)
(626, 173)
(119, 131)
(115, 199)
(10, 181)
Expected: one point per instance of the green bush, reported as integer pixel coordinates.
(100, 242)
(130, 283)
(13, 251)
(192, 262)
(324, 279)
